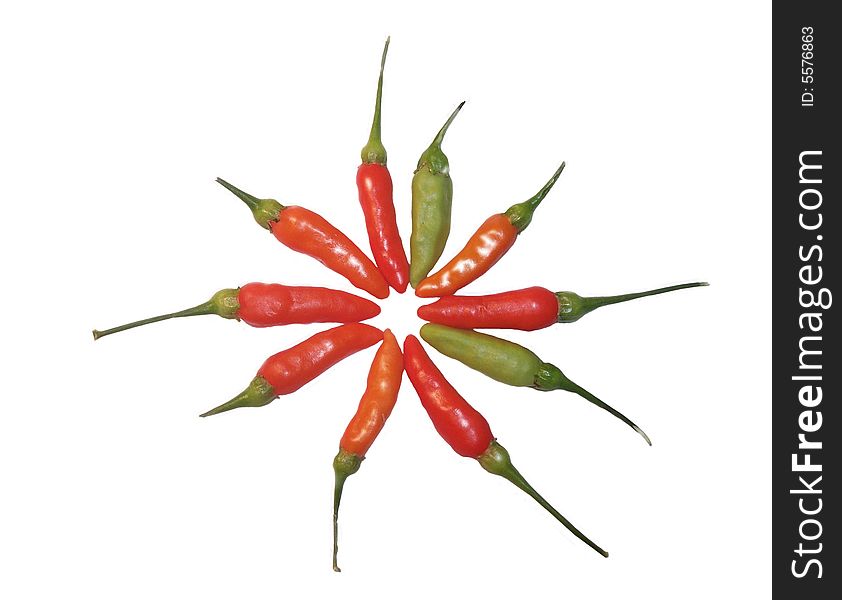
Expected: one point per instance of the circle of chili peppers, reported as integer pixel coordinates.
(452, 319)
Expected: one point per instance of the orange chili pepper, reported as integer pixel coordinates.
(381, 393)
(307, 232)
(485, 247)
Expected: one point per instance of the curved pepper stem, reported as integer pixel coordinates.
(550, 378)
(496, 460)
(433, 157)
(223, 303)
(258, 393)
(265, 211)
(572, 306)
(520, 214)
(345, 464)
(374, 152)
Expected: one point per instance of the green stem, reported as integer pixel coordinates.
(593, 302)
(521, 214)
(572, 306)
(374, 151)
(433, 157)
(496, 460)
(251, 201)
(258, 393)
(594, 400)
(345, 464)
(437, 141)
(265, 211)
(550, 377)
(223, 303)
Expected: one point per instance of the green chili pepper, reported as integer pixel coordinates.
(432, 197)
(509, 363)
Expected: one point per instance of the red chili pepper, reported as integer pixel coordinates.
(304, 231)
(527, 309)
(288, 370)
(270, 304)
(467, 431)
(374, 184)
(267, 305)
(485, 247)
(381, 393)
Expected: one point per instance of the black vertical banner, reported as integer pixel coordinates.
(806, 436)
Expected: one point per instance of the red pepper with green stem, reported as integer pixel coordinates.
(465, 429)
(381, 393)
(527, 309)
(486, 246)
(271, 304)
(304, 231)
(288, 370)
(374, 184)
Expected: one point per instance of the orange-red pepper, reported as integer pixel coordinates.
(288, 370)
(304, 231)
(381, 393)
(485, 247)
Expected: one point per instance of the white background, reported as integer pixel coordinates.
(115, 122)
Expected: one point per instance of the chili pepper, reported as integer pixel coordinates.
(467, 431)
(381, 393)
(485, 247)
(288, 370)
(527, 309)
(432, 198)
(304, 231)
(270, 304)
(509, 363)
(374, 184)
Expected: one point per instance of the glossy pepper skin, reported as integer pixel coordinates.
(485, 247)
(290, 369)
(509, 363)
(379, 398)
(432, 200)
(304, 231)
(467, 431)
(374, 184)
(271, 304)
(527, 309)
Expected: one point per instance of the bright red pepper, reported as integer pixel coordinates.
(381, 393)
(457, 422)
(527, 309)
(467, 431)
(304, 231)
(374, 184)
(271, 304)
(485, 247)
(288, 370)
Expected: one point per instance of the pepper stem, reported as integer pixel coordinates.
(496, 460)
(433, 156)
(265, 211)
(374, 151)
(223, 303)
(520, 214)
(550, 378)
(345, 464)
(572, 307)
(258, 393)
